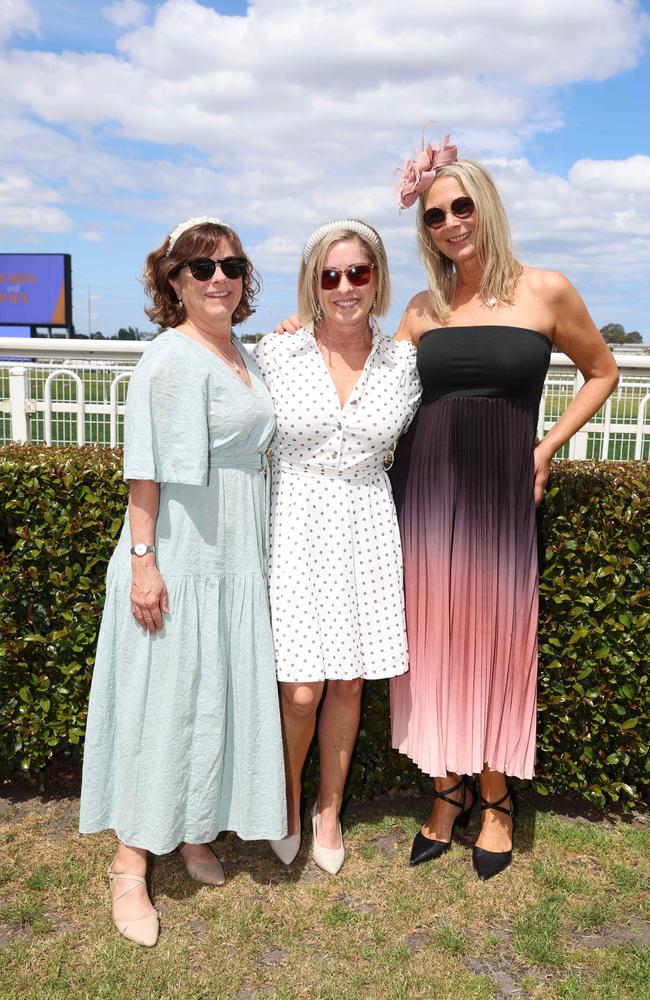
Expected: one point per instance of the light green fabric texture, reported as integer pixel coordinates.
(183, 737)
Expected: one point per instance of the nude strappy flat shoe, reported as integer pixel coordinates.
(144, 930)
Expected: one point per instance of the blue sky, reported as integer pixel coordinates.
(122, 118)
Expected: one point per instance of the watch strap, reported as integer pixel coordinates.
(140, 545)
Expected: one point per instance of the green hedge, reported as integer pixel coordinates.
(62, 511)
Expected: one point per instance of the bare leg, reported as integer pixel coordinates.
(442, 816)
(496, 829)
(337, 732)
(135, 904)
(299, 704)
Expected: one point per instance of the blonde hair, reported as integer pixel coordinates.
(501, 269)
(309, 290)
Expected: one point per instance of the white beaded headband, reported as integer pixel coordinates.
(188, 224)
(333, 227)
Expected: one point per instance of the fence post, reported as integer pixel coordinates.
(18, 402)
(579, 441)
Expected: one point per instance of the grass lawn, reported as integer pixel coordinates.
(568, 920)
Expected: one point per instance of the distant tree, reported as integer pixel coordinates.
(97, 335)
(130, 333)
(613, 333)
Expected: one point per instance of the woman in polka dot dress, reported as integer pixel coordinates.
(343, 393)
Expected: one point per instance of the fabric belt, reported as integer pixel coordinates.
(320, 471)
(259, 462)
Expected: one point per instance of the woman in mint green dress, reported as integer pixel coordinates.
(183, 737)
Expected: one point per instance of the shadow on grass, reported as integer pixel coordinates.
(60, 783)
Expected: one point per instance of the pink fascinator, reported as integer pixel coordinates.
(419, 174)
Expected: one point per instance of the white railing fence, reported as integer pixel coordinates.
(62, 392)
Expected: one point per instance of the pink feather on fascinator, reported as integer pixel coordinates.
(419, 174)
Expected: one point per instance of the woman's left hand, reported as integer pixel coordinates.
(542, 460)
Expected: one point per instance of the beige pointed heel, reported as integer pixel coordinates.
(328, 858)
(144, 930)
(288, 847)
(207, 872)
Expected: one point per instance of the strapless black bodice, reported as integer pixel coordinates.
(495, 361)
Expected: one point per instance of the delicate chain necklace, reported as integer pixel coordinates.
(231, 360)
(323, 346)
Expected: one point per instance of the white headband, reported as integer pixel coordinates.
(188, 224)
(332, 227)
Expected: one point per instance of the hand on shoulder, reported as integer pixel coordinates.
(290, 324)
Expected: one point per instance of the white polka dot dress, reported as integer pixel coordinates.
(335, 560)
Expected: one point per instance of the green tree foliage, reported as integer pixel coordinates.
(614, 333)
(63, 509)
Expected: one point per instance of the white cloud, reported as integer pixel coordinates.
(17, 17)
(629, 176)
(26, 207)
(298, 112)
(126, 13)
(92, 236)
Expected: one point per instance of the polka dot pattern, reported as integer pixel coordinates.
(335, 561)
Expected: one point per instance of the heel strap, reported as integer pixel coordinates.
(497, 805)
(444, 795)
(138, 880)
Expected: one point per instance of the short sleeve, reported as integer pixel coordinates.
(166, 429)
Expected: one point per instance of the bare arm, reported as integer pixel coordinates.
(148, 591)
(416, 319)
(577, 336)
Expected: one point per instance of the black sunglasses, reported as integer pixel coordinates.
(203, 268)
(461, 208)
(357, 274)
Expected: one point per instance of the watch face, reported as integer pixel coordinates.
(140, 549)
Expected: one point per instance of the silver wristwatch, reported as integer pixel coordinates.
(140, 549)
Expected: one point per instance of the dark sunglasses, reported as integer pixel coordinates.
(357, 274)
(461, 208)
(203, 268)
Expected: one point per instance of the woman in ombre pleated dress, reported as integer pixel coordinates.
(466, 480)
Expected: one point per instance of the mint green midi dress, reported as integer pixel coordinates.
(183, 737)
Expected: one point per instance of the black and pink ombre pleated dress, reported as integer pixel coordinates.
(463, 486)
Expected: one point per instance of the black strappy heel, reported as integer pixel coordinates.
(490, 863)
(423, 848)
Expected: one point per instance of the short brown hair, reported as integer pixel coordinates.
(199, 241)
(309, 274)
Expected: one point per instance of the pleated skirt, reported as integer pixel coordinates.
(463, 485)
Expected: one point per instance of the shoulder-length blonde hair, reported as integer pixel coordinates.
(199, 241)
(309, 290)
(501, 269)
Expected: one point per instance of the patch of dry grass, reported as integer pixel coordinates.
(568, 920)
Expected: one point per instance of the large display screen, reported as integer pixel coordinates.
(35, 289)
